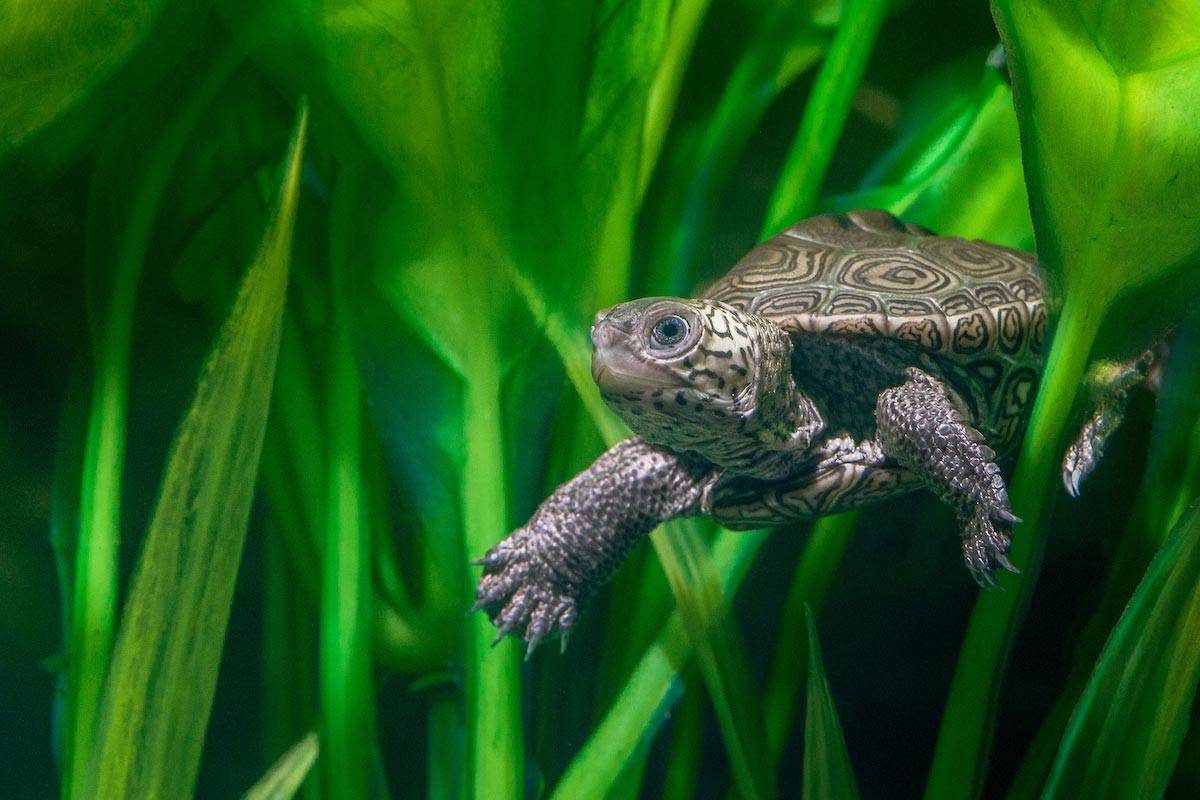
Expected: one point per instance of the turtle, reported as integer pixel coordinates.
(851, 358)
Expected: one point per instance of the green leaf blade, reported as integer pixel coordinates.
(283, 780)
(828, 774)
(159, 690)
(1124, 737)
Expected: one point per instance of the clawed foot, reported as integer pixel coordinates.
(521, 595)
(1081, 457)
(986, 543)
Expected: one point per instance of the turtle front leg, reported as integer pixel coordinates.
(537, 579)
(921, 426)
(1111, 383)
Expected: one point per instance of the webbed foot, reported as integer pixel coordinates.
(986, 542)
(521, 594)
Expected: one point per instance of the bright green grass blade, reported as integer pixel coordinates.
(825, 115)
(827, 771)
(1124, 737)
(720, 654)
(283, 780)
(159, 689)
(962, 176)
(1114, 182)
(347, 695)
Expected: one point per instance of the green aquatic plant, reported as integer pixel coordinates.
(408, 350)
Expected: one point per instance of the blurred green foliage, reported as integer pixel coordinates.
(477, 179)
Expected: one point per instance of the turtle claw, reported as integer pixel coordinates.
(1078, 461)
(521, 596)
(985, 546)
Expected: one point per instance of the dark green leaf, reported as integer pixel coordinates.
(1125, 734)
(827, 771)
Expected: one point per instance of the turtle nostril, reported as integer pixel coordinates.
(601, 333)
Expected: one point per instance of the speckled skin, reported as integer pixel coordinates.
(849, 359)
(550, 567)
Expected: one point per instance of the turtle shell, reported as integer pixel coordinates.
(869, 275)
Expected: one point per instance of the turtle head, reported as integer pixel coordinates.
(695, 375)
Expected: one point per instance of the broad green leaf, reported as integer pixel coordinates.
(1124, 737)
(1112, 147)
(1112, 161)
(56, 52)
(159, 688)
(827, 771)
(283, 780)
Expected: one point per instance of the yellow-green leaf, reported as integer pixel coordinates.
(284, 777)
(160, 684)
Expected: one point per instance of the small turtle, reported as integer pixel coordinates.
(851, 358)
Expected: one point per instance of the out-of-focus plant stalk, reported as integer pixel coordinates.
(347, 703)
(494, 675)
(94, 597)
(828, 107)
(822, 553)
(686, 19)
(785, 44)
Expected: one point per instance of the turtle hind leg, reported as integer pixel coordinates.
(920, 424)
(1110, 384)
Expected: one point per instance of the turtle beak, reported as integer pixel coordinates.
(617, 366)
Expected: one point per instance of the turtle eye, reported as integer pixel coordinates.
(668, 332)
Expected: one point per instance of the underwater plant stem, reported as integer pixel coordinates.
(347, 705)
(493, 680)
(960, 760)
(828, 107)
(94, 612)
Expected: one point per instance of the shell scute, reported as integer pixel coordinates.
(867, 274)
